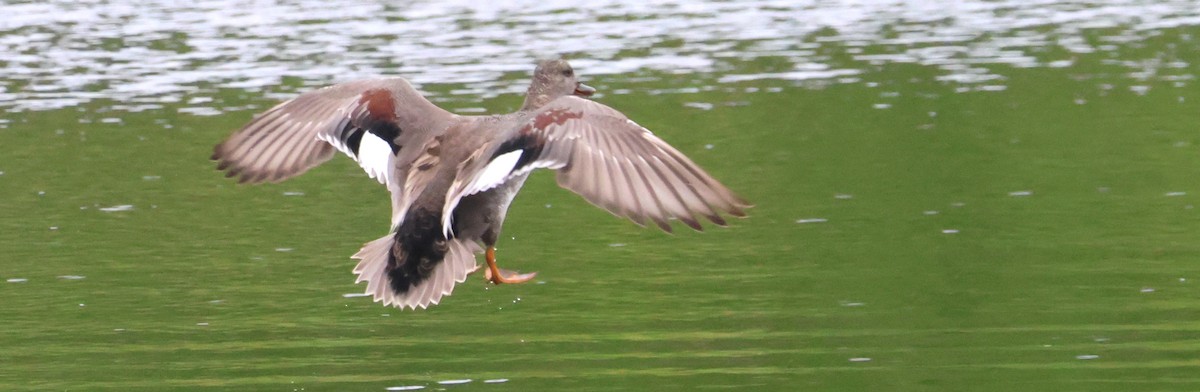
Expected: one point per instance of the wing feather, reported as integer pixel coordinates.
(611, 161)
(641, 177)
(647, 196)
(296, 135)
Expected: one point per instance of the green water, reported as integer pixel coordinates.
(1042, 237)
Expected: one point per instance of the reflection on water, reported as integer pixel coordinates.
(144, 55)
(445, 382)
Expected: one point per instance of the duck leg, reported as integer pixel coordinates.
(499, 276)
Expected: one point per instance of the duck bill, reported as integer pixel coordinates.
(584, 90)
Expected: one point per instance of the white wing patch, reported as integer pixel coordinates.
(375, 156)
(494, 173)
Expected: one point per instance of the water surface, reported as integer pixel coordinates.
(978, 196)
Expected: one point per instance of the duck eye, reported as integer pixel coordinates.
(568, 72)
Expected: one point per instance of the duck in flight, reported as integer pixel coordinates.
(453, 177)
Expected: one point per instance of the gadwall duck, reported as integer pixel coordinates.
(452, 177)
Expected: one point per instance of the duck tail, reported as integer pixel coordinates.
(375, 266)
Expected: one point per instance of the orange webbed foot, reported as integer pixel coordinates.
(496, 275)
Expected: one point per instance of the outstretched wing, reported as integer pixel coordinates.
(608, 159)
(369, 120)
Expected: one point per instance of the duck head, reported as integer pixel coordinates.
(553, 79)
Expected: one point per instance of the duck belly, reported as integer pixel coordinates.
(480, 216)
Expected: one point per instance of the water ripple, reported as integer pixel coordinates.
(65, 53)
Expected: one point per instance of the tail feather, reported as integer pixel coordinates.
(373, 269)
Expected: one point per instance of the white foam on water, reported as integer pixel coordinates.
(118, 208)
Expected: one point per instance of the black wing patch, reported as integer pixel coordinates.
(529, 144)
(351, 135)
